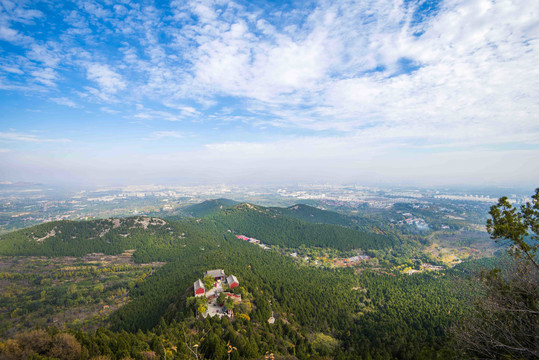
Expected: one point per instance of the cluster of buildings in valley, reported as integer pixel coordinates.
(332, 261)
(351, 261)
(424, 267)
(221, 282)
(409, 219)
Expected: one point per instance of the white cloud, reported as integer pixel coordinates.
(473, 80)
(95, 9)
(12, 13)
(8, 34)
(157, 115)
(109, 81)
(45, 76)
(12, 69)
(45, 54)
(65, 101)
(16, 11)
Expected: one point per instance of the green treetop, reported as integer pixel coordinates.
(520, 228)
(208, 281)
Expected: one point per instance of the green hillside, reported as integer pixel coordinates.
(208, 207)
(151, 237)
(271, 227)
(409, 313)
(317, 216)
(150, 234)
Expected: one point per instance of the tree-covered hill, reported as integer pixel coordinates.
(274, 228)
(208, 207)
(301, 212)
(315, 215)
(151, 237)
(369, 314)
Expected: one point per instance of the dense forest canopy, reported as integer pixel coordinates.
(272, 227)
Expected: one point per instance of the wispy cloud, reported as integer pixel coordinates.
(11, 13)
(108, 80)
(45, 76)
(154, 114)
(343, 66)
(109, 110)
(64, 101)
(24, 137)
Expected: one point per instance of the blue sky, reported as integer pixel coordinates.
(127, 92)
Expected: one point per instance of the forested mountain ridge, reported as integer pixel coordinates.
(208, 207)
(301, 212)
(274, 228)
(271, 225)
(147, 235)
(315, 215)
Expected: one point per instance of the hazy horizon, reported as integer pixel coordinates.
(419, 93)
(495, 191)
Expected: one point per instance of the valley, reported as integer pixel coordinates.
(66, 292)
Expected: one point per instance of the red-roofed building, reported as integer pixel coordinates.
(232, 281)
(200, 290)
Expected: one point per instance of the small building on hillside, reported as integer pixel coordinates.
(200, 290)
(232, 281)
(218, 274)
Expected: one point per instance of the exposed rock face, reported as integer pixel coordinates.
(49, 234)
(147, 221)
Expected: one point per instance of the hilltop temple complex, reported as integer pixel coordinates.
(220, 286)
(220, 279)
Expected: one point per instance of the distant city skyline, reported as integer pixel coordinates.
(138, 92)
